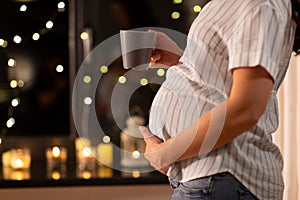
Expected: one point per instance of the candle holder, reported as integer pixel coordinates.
(105, 152)
(105, 172)
(81, 143)
(133, 144)
(86, 158)
(20, 159)
(18, 175)
(56, 158)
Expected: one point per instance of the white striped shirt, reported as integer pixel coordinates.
(225, 35)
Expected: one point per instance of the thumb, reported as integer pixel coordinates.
(145, 133)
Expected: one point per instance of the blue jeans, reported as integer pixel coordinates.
(222, 186)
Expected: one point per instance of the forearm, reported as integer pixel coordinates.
(214, 129)
(240, 112)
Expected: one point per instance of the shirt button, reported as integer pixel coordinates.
(205, 191)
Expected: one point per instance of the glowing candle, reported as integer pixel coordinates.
(86, 158)
(56, 158)
(20, 159)
(56, 152)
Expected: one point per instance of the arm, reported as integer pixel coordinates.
(241, 111)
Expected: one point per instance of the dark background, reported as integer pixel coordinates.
(45, 97)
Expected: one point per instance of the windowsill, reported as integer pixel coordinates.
(40, 177)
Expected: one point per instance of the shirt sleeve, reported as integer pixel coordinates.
(257, 40)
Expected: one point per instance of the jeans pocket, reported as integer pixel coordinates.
(245, 194)
(195, 189)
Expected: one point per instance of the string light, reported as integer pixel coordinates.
(10, 122)
(143, 81)
(87, 79)
(84, 35)
(11, 62)
(197, 8)
(13, 84)
(23, 8)
(21, 83)
(15, 102)
(103, 69)
(160, 72)
(59, 68)
(122, 79)
(61, 6)
(177, 1)
(3, 43)
(175, 15)
(49, 24)
(106, 139)
(17, 39)
(36, 36)
(88, 100)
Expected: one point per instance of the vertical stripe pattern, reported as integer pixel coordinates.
(228, 34)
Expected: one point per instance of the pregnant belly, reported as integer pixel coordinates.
(174, 110)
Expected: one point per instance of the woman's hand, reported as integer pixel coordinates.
(153, 151)
(166, 52)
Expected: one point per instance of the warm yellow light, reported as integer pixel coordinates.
(87, 151)
(11, 62)
(175, 15)
(59, 68)
(21, 83)
(23, 8)
(103, 69)
(197, 8)
(36, 36)
(56, 151)
(19, 163)
(84, 35)
(88, 100)
(136, 154)
(10, 122)
(0, 140)
(49, 24)
(136, 174)
(177, 1)
(87, 79)
(55, 175)
(86, 175)
(15, 102)
(106, 139)
(5, 43)
(13, 84)
(160, 72)
(122, 79)
(17, 39)
(143, 81)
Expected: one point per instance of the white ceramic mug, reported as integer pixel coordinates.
(136, 47)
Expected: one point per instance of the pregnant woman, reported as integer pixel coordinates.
(212, 119)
